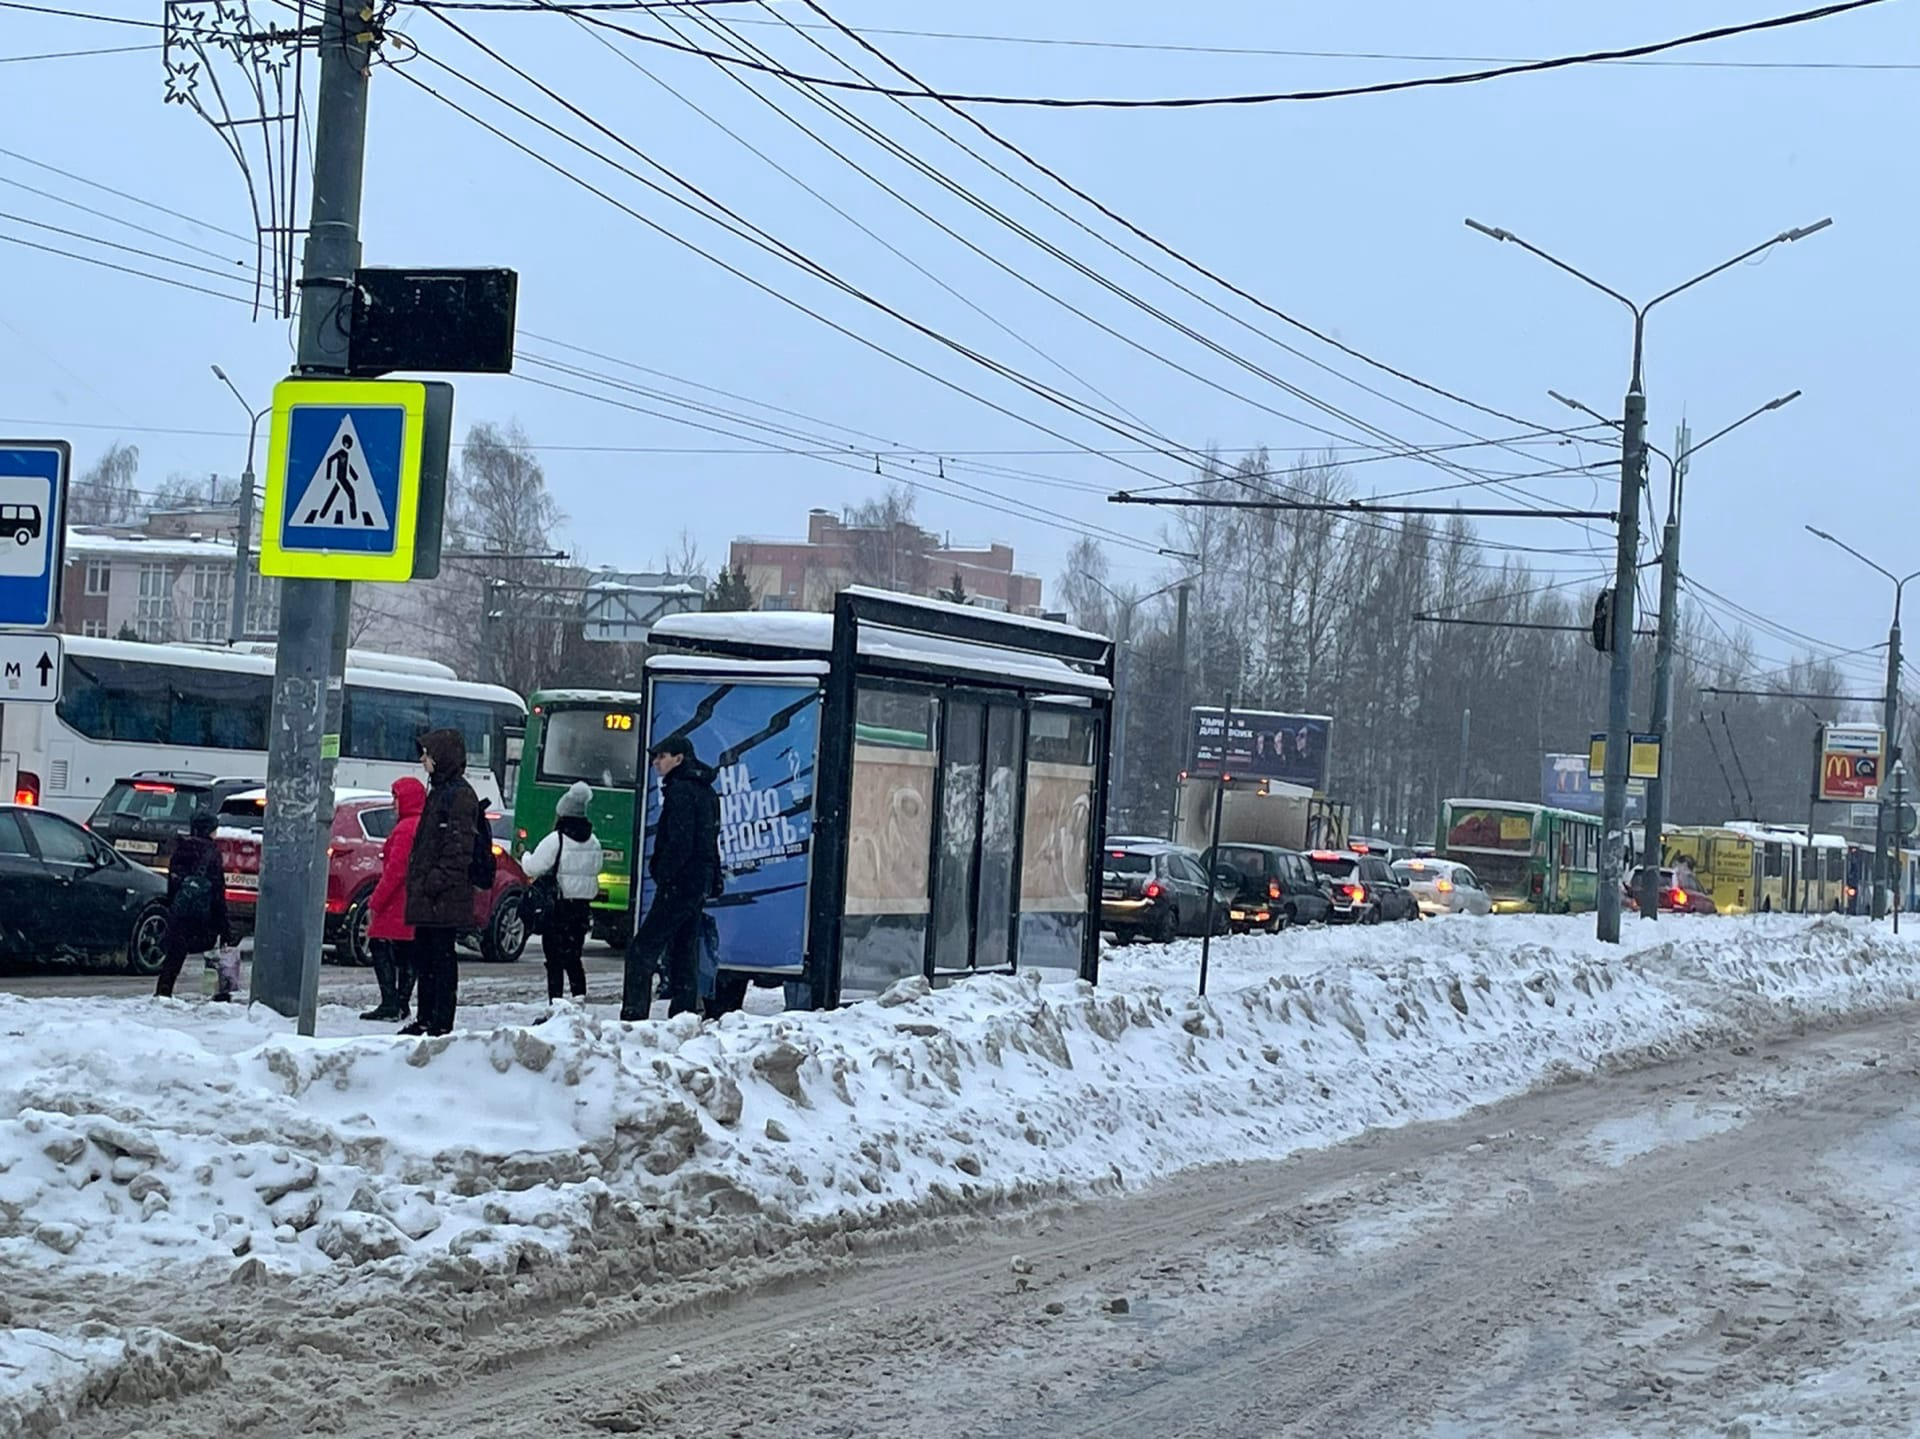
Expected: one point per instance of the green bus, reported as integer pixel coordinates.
(596, 736)
(1532, 859)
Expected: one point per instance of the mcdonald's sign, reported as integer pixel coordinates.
(1850, 760)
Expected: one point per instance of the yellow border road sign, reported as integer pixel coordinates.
(343, 479)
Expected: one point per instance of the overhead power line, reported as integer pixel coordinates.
(1190, 102)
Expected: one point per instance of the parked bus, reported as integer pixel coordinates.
(1791, 876)
(596, 736)
(126, 707)
(1531, 858)
(1722, 860)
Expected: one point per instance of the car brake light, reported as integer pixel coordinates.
(1679, 899)
(1444, 886)
(1273, 889)
(1152, 891)
(147, 787)
(1358, 848)
(498, 851)
(1357, 893)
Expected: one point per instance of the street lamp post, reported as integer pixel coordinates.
(1632, 464)
(1122, 671)
(1889, 718)
(1662, 699)
(243, 533)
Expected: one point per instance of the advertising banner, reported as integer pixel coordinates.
(1261, 745)
(1567, 781)
(1850, 762)
(761, 740)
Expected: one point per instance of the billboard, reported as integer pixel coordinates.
(1567, 782)
(1850, 762)
(1260, 745)
(761, 739)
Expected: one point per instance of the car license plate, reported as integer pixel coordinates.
(136, 846)
(243, 881)
(1113, 894)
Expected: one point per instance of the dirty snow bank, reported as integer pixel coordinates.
(201, 1140)
(47, 1378)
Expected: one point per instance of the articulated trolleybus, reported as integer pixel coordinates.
(1532, 858)
(127, 707)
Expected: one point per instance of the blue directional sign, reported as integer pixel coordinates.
(343, 479)
(33, 530)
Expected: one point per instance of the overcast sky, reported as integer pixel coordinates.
(1343, 213)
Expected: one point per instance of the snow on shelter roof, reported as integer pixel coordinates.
(807, 633)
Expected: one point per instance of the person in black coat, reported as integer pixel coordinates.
(685, 869)
(440, 888)
(196, 902)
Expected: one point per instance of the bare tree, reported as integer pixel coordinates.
(1082, 586)
(106, 494)
(501, 507)
(890, 550)
(185, 492)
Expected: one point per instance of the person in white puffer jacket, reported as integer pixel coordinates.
(579, 859)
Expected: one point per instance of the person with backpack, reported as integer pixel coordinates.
(388, 932)
(565, 870)
(686, 873)
(452, 856)
(196, 904)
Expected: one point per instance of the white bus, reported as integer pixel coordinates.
(126, 707)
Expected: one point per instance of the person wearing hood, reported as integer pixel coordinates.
(388, 933)
(574, 857)
(447, 843)
(685, 870)
(196, 903)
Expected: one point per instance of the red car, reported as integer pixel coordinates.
(1678, 895)
(362, 820)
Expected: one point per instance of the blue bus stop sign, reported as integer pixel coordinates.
(33, 530)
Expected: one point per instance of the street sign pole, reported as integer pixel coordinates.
(307, 690)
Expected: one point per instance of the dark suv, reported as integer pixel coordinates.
(1278, 887)
(1156, 891)
(1365, 890)
(143, 814)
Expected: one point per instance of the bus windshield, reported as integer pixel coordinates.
(598, 745)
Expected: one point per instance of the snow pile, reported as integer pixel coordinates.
(195, 1139)
(47, 1378)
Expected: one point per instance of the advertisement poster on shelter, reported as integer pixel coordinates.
(1261, 745)
(1568, 782)
(761, 741)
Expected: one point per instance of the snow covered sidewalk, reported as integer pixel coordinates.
(186, 1142)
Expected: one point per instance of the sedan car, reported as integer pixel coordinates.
(1277, 887)
(143, 814)
(67, 894)
(1680, 893)
(1158, 891)
(1364, 888)
(1439, 886)
(362, 820)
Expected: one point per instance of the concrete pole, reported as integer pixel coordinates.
(1662, 700)
(1620, 675)
(307, 684)
(1889, 720)
(242, 556)
(1122, 679)
(1183, 722)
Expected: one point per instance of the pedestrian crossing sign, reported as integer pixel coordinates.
(343, 479)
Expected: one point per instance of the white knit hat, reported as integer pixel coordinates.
(574, 801)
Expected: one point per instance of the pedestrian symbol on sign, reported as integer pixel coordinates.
(341, 493)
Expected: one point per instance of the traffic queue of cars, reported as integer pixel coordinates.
(1156, 891)
(96, 893)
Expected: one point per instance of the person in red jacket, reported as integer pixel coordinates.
(387, 927)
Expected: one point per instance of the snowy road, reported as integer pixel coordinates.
(1723, 1246)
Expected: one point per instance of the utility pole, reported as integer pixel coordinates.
(1466, 749)
(1122, 683)
(1181, 722)
(1813, 789)
(1890, 755)
(1662, 700)
(1898, 874)
(1633, 452)
(310, 651)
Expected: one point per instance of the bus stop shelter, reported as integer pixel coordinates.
(908, 787)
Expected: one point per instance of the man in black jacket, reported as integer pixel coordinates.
(685, 869)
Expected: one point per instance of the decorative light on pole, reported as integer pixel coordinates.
(243, 532)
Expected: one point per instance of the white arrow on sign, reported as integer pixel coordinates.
(31, 668)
